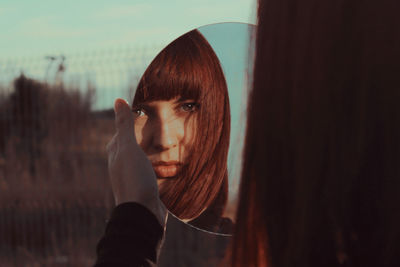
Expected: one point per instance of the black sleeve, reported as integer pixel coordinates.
(131, 237)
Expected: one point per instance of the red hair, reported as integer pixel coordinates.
(320, 181)
(188, 68)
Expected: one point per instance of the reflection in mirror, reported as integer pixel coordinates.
(183, 121)
(233, 44)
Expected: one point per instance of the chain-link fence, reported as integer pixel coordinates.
(56, 118)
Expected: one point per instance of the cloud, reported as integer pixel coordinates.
(6, 10)
(122, 11)
(221, 11)
(46, 27)
(3, 11)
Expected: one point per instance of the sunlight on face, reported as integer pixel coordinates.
(165, 130)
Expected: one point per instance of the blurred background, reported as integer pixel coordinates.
(62, 64)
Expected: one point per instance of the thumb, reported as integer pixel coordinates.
(124, 122)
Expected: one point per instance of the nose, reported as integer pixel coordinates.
(167, 134)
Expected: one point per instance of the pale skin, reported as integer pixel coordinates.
(131, 173)
(164, 129)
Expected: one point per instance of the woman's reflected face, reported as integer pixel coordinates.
(165, 130)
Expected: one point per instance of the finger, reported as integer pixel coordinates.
(111, 150)
(124, 120)
(111, 144)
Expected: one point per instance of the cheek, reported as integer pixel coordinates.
(139, 133)
(143, 134)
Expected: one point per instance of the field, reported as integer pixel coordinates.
(55, 195)
(54, 190)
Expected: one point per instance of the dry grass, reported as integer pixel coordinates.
(54, 189)
(55, 195)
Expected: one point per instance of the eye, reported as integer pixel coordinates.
(138, 112)
(189, 107)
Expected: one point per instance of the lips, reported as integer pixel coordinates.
(166, 169)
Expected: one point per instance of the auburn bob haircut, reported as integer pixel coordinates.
(188, 68)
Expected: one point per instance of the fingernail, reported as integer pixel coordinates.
(118, 105)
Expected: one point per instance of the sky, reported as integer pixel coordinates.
(29, 28)
(230, 42)
(29, 31)
(130, 32)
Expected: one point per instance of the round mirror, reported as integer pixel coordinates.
(189, 108)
